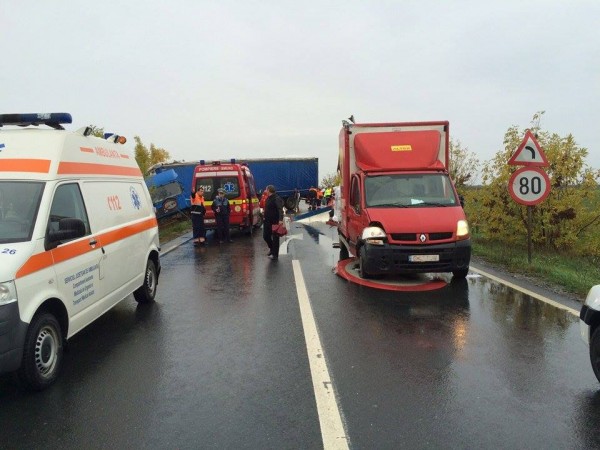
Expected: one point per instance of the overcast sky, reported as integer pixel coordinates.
(274, 78)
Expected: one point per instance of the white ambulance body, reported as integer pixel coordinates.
(78, 234)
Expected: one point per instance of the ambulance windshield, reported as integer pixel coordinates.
(211, 184)
(19, 203)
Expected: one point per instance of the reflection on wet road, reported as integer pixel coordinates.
(220, 361)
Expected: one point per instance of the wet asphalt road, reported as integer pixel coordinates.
(220, 361)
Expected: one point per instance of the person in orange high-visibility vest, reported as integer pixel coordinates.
(198, 210)
(312, 198)
(263, 198)
(319, 196)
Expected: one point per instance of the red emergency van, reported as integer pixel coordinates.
(238, 183)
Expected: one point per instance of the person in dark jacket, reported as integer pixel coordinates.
(220, 206)
(273, 215)
(296, 201)
(197, 211)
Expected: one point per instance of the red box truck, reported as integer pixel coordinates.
(400, 212)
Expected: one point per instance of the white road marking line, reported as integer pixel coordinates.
(283, 246)
(332, 429)
(526, 291)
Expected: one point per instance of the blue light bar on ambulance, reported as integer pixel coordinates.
(53, 120)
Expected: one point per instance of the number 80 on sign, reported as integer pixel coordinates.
(529, 186)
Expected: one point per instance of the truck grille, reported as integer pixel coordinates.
(412, 237)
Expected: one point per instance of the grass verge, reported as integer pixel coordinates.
(573, 274)
(173, 228)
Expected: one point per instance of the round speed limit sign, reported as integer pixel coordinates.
(529, 185)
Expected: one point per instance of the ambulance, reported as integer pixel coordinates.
(78, 234)
(238, 183)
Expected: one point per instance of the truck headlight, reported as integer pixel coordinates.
(8, 293)
(462, 229)
(374, 236)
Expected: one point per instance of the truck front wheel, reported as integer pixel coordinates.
(42, 352)
(460, 273)
(362, 260)
(343, 252)
(290, 203)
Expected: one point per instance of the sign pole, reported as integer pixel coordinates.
(529, 185)
(529, 225)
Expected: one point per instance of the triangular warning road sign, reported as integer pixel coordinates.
(529, 153)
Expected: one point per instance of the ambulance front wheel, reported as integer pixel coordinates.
(595, 352)
(146, 292)
(42, 352)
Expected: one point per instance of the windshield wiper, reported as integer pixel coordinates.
(431, 204)
(396, 205)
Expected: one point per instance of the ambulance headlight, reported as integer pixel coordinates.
(374, 236)
(462, 229)
(8, 293)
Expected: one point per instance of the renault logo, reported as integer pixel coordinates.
(422, 238)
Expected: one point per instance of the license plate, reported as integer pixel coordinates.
(209, 220)
(424, 258)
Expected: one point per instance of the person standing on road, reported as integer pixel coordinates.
(296, 200)
(198, 210)
(327, 193)
(220, 206)
(273, 216)
(312, 198)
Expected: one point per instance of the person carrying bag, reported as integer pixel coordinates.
(279, 229)
(273, 218)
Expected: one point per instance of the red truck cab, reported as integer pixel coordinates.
(240, 190)
(400, 212)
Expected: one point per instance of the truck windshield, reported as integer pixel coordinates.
(412, 190)
(19, 204)
(160, 193)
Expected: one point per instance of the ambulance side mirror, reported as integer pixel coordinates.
(67, 229)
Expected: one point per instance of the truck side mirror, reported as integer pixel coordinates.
(461, 199)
